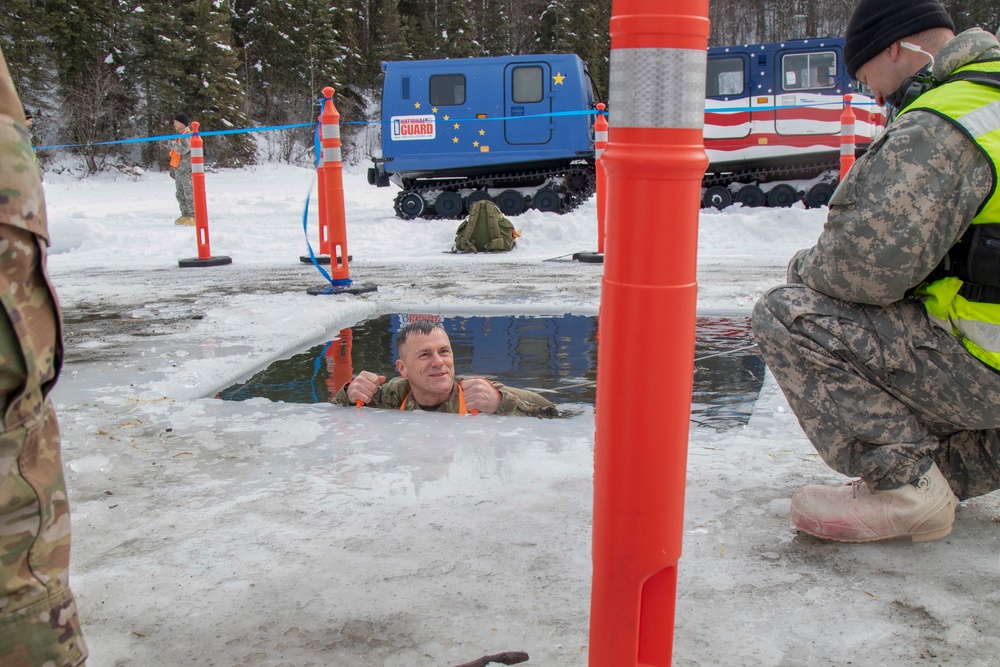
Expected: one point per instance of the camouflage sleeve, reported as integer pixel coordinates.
(900, 209)
(22, 200)
(390, 395)
(522, 402)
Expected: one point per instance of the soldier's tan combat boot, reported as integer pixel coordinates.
(185, 220)
(922, 511)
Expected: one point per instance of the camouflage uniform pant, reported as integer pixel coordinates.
(185, 190)
(880, 391)
(38, 620)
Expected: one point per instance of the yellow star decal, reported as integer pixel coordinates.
(456, 126)
(454, 140)
(416, 105)
(476, 144)
(434, 109)
(447, 117)
(558, 78)
(482, 133)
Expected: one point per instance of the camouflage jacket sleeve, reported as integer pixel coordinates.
(522, 402)
(390, 395)
(900, 209)
(22, 200)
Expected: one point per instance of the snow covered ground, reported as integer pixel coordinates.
(217, 533)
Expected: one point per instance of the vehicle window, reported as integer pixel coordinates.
(724, 77)
(447, 90)
(800, 71)
(528, 85)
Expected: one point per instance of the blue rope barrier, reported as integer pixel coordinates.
(554, 114)
(305, 230)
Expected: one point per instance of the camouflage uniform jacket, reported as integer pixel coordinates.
(904, 203)
(38, 619)
(513, 401)
(182, 146)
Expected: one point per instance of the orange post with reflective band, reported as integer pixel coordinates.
(600, 143)
(204, 257)
(847, 138)
(198, 189)
(331, 203)
(654, 162)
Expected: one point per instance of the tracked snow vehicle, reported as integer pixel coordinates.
(517, 130)
(772, 122)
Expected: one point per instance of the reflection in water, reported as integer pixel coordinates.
(555, 356)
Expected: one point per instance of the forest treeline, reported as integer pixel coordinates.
(105, 70)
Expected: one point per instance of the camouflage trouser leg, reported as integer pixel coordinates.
(185, 191)
(39, 626)
(881, 392)
(38, 620)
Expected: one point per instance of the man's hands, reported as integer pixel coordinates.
(480, 395)
(363, 387)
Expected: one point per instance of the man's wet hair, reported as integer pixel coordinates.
(422, 327)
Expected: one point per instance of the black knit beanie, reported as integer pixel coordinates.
(182, 119)
(876, 24)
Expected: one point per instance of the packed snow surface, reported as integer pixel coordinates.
(217, 533)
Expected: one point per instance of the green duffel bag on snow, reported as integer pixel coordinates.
(485, 229)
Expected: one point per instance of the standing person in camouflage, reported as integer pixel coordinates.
(38, 619)
(428, 382)
(180, 169)
(885, 347)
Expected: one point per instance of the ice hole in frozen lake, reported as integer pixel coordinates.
(553, 355)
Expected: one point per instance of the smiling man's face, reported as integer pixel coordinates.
(427, 362)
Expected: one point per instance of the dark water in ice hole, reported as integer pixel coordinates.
(556, 356)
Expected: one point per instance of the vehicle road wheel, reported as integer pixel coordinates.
(750, 195)
(547, 201)
(409, 205)
(449, 204)
(819, 195)
(478, 195)
(510, 202)
(717, 197)
(782, 195)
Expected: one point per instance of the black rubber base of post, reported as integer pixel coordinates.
(360, 288)
(589, 257)
(221, 260)
(322, 259)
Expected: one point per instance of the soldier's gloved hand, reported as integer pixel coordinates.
(481, 395)
(364, 386)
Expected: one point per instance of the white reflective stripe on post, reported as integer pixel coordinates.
(197, 152)
(331, 131)
(847, 149)
(598, 153)
(657, 88)
(601, 137)
(331, 154)
(983, 120)
(197, 168)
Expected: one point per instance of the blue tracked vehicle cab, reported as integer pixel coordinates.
(518, 130)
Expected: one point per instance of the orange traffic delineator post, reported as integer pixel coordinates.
(600, 143)
(332, 213)
(847, 140)
(655, 154)
(324, 232)
(204, 257)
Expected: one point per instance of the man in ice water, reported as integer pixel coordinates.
(427, 369)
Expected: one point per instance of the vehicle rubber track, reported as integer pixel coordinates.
(770, 174)
(574, 184)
